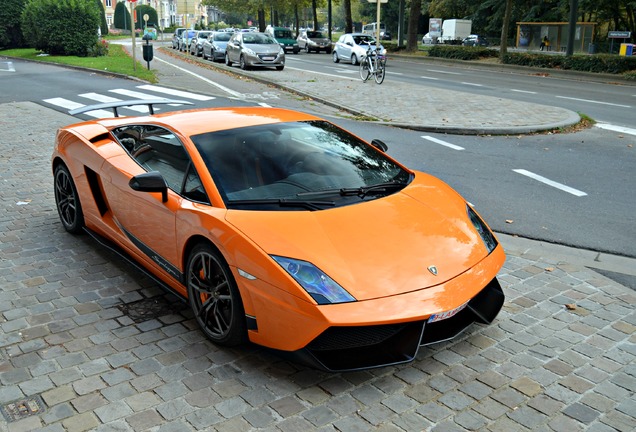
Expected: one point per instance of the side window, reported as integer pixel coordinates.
(158, 149)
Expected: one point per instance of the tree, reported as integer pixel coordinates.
(10, 30)
(414, 19)
(103, 25)
(143, 10)
(121, 20)
(62, 27)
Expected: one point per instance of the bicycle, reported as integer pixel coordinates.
(374, 64)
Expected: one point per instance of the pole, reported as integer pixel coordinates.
(574, 5)
(377, 26)
(132, 27)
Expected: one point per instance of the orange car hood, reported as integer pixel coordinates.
(378, 248)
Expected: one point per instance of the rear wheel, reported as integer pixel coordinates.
(214, 296)
(379, 74)
(67, 200)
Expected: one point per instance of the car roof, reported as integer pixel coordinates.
(202, 120)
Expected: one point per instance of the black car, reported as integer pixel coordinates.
(475, 40)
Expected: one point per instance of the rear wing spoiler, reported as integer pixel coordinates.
(114, 105)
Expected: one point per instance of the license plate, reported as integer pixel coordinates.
(447, 314)
(268, 58)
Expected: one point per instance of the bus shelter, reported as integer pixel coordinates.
(534, 35)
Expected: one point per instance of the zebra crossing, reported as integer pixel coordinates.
(145, 91)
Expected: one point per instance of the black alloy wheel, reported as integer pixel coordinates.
(214, 296)
(67, 200)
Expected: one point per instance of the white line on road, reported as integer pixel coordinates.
(430, 78)
(219, 86)
(472, 84)
(549, 182)
(137, 95)
(523, 91)
(593, 101)
(444, 143)
(614, 128)
(443, 72)
(178, 93)
(8, 67)
(339, 70)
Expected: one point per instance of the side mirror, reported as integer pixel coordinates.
(151, 181)
(380, 145)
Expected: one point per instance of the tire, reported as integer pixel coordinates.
(364, 70)
(242, 63)
(227, 60)
(354, 59)
(307, 50)
(67, 201)
(280, 68)
(334, 55)
(214, 297)
(379, 74)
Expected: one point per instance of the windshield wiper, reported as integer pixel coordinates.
(283, 202)
(361, 191)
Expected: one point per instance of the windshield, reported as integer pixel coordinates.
(314, 35)
(364, 39)
(285, 163)
(222, 37)
(283, 34)
(258, 38)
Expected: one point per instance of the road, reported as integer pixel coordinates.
(576, 189)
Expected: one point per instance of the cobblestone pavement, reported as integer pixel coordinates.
(86, 343)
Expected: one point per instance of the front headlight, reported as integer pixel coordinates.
(249, 52)
(318, 285)
(484, 232)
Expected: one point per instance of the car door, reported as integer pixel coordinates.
(233, 48)
(146, 219)
(347, 47)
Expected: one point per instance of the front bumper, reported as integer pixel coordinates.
(342, 348)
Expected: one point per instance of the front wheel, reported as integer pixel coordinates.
(67, 200)
(228, 62)
(334, 55)
(364, 70)
(380, 72)
(214, 296)
(242, 63)
(354, 59)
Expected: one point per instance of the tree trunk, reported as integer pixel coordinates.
(315, 13)
(503, 44)
(414, 19)
(348, 21)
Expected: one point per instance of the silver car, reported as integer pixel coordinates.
(253, 49)
(312, 40)
(352, 47)
(214, 46)
(196, 46)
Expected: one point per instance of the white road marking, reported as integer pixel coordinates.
(549, 182)
(430, 78)
(593, 101)
(69, 105)
(337, 69)
(444, 143)
(472, 84)
(219, 86)
(523, 91)
(179, 93)
(6, 67)
(614, 128)
(443, 72)
(103, 98)
(138, 95)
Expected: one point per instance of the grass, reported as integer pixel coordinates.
(117, 61)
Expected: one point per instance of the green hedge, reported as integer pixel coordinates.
(461, 52)
(600, 63)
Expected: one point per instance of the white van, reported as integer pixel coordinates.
(371, 29)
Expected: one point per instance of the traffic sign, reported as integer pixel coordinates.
(619, 35)
(375, 1)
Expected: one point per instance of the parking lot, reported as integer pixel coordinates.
(87, 343)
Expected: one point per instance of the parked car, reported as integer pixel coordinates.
(214, 46)
(352, 47)
(475, 40)
(284, 37)
(313, 40)
(254, 49)
(186, 39)
(281, 228)
(176, 37)
(427, 39)
(196, 46)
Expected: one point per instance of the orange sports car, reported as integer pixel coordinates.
(280, 228)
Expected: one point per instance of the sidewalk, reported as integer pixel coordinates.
(88, 344)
